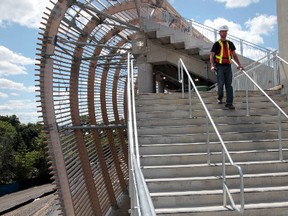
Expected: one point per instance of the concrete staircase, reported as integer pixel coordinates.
(173, 153)
(193, 45)
(168, 45)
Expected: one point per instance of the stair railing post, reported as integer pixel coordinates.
(190, 99)
(134, 115)
(247, 98)
(182, 78)
(215, 35)
(208, 141)
(280, 136)
(225, 152)
(269, 57)
(130, 141)
(276, 79)
(253, 75)
(224, 178)
(190, 27)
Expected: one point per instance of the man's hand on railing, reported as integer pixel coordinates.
(240, 67)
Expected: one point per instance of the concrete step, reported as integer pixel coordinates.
(210, 106)
(215, 197)
(178, 148)
(208, 101)
(176, 36)
(210, 94)
(192, 138)
(215, 182)
(200, 158)
(222, 128)
(219, 112)
(173, 153)
(231, 120)
(255, 209)
(204, 170)
(184, 105)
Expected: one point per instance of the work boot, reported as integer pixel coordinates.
(230, 106)
(219, 101)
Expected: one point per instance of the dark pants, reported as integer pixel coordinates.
(224, 77)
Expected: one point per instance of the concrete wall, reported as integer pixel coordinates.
(282, 14)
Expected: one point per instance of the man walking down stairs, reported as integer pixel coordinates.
(173, 151)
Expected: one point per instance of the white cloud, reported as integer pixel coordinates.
(18, 105)
(14, 94)
(237, 3)
(25, 110)
(254, 31)
(262, 24)
(8, 84)
(26, 13)
(3, 95)
(8, 55)
(13, 63)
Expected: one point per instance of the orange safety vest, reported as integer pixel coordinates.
(224, 54)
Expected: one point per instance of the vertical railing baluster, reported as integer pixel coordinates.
(190, 99)
(182, 81)
(224, 178)
(247, 98)
(280, 136)
(208, 141)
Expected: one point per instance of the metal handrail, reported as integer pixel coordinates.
(141, 203)
(244, 48)
(263, 76)
(225, 152)
(272, 101)
(281, 59)
(206, 33)
(258, 63)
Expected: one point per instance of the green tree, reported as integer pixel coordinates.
(8, 135)
(29, 134)
(30, 157)
(14, 121)
(22, 165)
(22, 152)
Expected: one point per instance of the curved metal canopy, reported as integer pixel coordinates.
(83, 47)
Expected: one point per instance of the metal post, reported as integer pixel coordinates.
(275, 71)
(269, 57)
(241, 47)
(134, 116)
(130, 140)
(182, 78)
(280, 136)
(247, 100)
(190, 99)
(191, 27)
(208, 141)
(224, 178)
(215, 35)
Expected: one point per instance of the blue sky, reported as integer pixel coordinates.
(251, 20)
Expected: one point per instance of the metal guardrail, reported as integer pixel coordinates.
(244, 48)
(225, 152)
(264, 71)
(280, 111)
(175, 21)
(141, 203)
